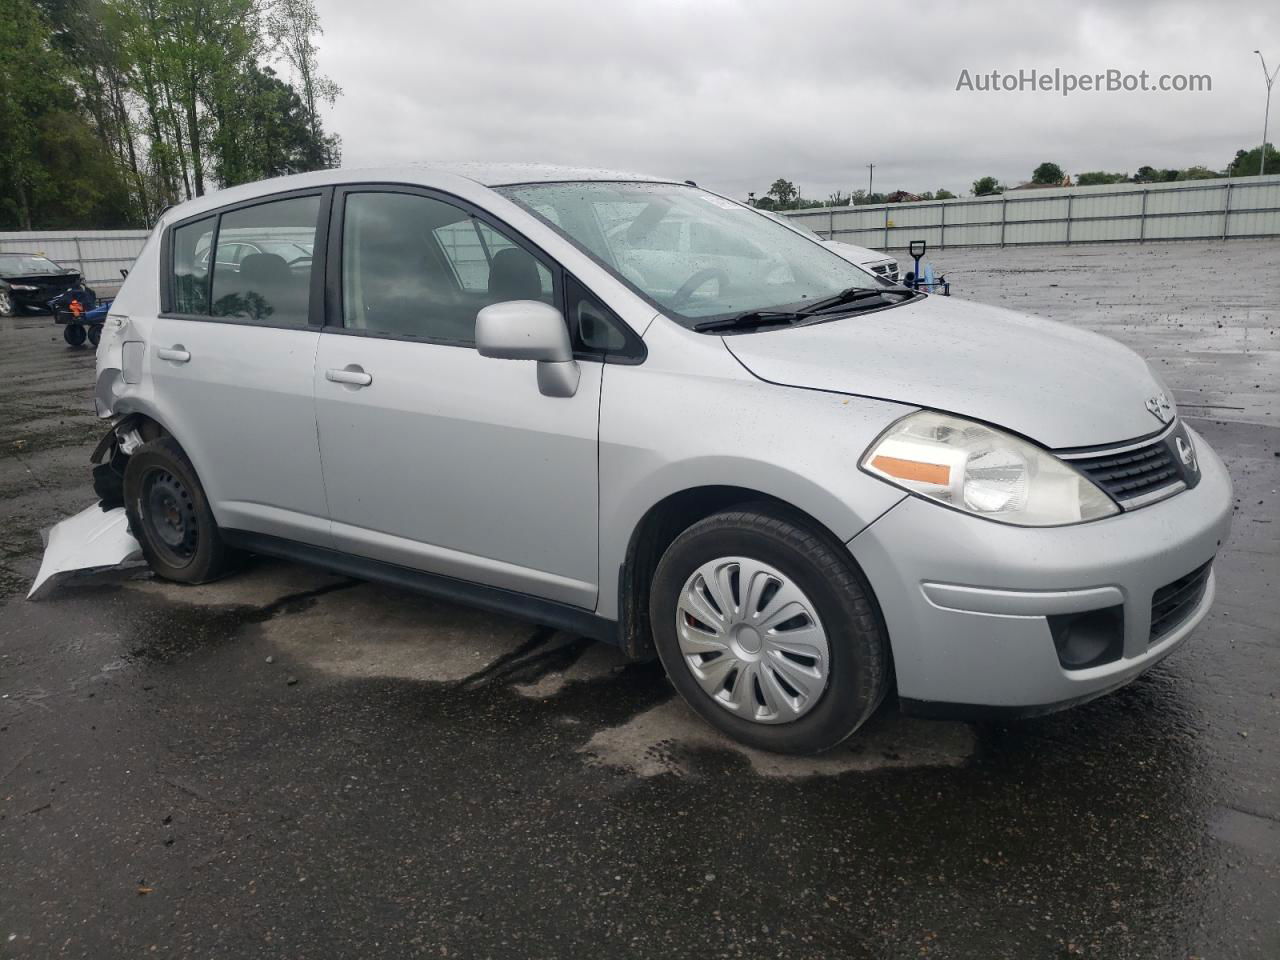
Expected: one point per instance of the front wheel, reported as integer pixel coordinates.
(74, 334)
(769, 631)
(6, 303)
(170, 516)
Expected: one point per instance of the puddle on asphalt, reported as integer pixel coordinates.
(666, 738)
(351, 629)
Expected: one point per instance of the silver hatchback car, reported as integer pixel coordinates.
(634, 409)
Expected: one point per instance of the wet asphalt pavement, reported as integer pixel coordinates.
(292, 764)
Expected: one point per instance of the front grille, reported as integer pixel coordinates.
(1143, 471)
(1174, 602)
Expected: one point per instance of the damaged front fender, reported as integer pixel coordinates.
(94, 539)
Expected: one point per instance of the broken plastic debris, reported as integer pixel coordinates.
(93, 539)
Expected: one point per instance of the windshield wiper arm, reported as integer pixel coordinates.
(850, 295)
(751, 320)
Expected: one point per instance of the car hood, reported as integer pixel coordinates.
(1058, 385)
(43, 278)
(854, 253)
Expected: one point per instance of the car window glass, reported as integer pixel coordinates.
(694, 254)
(592, 325)
(419, 267)
(191, 266)
(470, 246)
(19, 266)
(270, 280)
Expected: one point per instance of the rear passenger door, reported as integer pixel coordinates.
(232, 355)
(435, 457)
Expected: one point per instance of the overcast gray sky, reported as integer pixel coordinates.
(735, 94)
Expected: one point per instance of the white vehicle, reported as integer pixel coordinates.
(872, 260)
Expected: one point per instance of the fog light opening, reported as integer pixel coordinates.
(1088, 639)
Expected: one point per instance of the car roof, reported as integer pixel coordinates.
(505, 174)
(437, 174)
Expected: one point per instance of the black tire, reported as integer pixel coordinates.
(95, 333)
(74, 334)
(170, 516)
(859, 671)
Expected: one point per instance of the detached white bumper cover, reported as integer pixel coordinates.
(93, 539)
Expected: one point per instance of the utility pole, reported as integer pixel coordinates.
(1271, 78)
(871, 167)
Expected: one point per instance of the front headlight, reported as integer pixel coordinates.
(22, 286)
(985, 471)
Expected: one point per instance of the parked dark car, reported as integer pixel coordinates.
(28, 281)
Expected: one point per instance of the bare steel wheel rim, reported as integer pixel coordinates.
(5, 303)
(752, 640)
(169, 514)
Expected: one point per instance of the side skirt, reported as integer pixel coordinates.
(521, 605)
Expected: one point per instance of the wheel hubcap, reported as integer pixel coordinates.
(752, 640)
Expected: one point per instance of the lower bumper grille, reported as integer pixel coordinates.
(1174, 602)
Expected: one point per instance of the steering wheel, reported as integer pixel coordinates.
(690, 286)
(307, 257)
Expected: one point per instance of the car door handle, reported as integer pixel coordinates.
(175, 353)
(351, 375)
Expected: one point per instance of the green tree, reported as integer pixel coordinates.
(270, 134)
(1095, 178)
(1198, 173)
(784, 194)
(986, 186)
(1247, 162)
(293, 25)
(1048, 173)
(943, 194)
(53, 167)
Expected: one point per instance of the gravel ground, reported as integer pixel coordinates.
(288, 763)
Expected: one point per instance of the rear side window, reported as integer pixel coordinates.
(262, 268)
(191, 247)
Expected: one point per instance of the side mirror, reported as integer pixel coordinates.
(530, 330)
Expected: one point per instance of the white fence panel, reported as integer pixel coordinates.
(1198, 209)
(99, 255)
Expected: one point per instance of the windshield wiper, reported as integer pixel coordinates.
(850, 295)
(751, 320)
(771, 318)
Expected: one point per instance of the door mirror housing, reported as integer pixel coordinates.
(530, 330)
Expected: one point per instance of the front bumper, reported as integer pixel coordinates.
(37, 299)
(966, 600)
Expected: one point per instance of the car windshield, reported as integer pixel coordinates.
(793, 224)
(23, 265)
(694, 254)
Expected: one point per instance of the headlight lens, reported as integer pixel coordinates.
(985, 471)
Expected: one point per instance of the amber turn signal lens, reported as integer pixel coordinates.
(938, 473)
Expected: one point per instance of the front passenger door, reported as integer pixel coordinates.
(434, 457)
